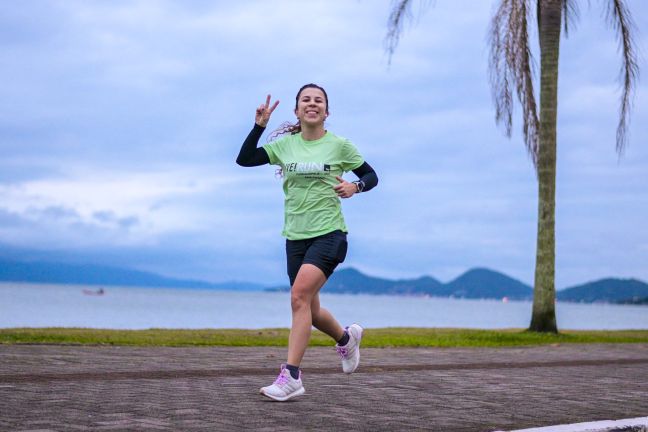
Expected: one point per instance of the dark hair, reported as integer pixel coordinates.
(295, 128)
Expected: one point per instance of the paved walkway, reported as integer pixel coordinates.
(45, 387)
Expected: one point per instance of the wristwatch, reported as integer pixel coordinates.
(359, 185)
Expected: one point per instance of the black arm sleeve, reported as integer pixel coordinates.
(366, 175)
(251, 155)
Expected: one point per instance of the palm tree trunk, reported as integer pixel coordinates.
(544, 294)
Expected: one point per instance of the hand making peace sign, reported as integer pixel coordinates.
(264, 111)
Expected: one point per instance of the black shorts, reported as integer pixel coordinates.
(324, 252)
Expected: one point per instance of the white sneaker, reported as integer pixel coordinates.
(350, 353)
(285, 386)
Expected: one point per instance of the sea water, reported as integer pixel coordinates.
(31, 305)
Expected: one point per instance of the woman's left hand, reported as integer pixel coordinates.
(345, 189)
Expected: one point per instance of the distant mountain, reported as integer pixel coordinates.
(485, 283)
(90, 274)
(476, 283)
(605, 290)
(350, 280)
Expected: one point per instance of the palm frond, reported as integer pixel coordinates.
(571, 13)
(618, 16)
(511, 69)
(400, 12)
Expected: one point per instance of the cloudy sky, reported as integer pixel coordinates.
(120, 122)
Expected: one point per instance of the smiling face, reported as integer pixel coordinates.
(312, 108)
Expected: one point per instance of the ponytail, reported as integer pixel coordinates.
(285, 128)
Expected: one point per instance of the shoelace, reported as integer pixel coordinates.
(281, 380)
(342, 351)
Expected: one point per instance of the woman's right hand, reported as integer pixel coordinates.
(264, 112)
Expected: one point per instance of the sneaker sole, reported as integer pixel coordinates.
(294, 394)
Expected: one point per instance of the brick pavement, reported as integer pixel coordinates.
(56, 388)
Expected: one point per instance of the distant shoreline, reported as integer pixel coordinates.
(476, 283)
(106, 290)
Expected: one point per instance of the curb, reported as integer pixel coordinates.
(638, 424)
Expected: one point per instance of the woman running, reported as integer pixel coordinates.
(312, 161)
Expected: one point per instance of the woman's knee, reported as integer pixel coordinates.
(308, 282)
(300, 298)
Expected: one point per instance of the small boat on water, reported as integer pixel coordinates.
(98, 292)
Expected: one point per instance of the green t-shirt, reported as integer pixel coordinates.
(312, 207)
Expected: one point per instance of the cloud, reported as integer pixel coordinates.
(145, 203)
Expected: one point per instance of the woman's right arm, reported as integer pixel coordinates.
(250, 155)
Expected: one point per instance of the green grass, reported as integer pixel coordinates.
(383, 337)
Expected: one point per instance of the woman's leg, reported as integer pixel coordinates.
(324, 321)
(308, 282)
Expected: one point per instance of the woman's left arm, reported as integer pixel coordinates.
(367, 177)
